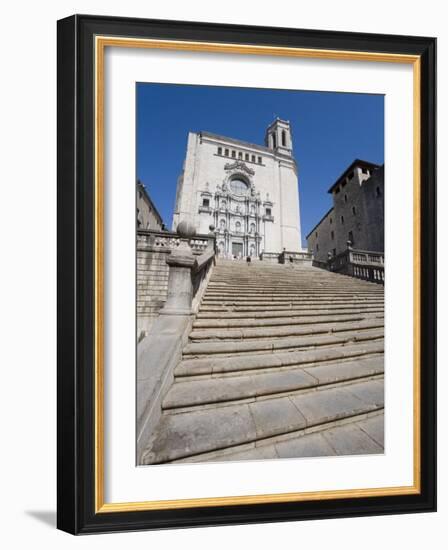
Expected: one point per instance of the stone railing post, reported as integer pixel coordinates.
(350, 251)
(211, 239)
(181, 262)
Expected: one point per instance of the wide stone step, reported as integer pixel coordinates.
(291, 286)
(221, 390)
(293, 342)
(263, 305)
(283, 277)
(288, 312)
(192, 433)
(284, 331)
(274, 285)
(234, 282)
(349, 437)
(213, 323)
(258, 284)
(215, 365)
(293, 296)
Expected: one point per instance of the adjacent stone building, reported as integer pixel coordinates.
(248, 192)
(147, 215)
(357, 214)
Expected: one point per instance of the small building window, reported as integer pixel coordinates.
(246, 156)
(332, 235)
(233, 154)
(342, 220)
(350, 176)
(350, 237)
(365, 171)
(253, 158)
(268, 212)
(226, 152)
(354, 210)
(274, 141)
(206, 202)
(219, 150)
(315, 234)
(331, 221)
(334, 252)
(240, 155)
(283, 138)
(317, 247)
(259, 160)
(378, 192)
(345, 198)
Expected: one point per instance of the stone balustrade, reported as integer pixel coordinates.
(147, 238)
(362, 264)
(153, 249)
(301, 258)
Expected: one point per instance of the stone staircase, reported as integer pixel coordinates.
(281, 361)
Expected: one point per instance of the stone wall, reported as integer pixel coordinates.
(357, 215)
(152, 285)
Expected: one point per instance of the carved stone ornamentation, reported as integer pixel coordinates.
(239, 165)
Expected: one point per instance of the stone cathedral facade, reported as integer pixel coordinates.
(248, 192)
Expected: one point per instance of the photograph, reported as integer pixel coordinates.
(260, 274)
(231, 349)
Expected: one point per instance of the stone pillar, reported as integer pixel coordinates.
(180, 284)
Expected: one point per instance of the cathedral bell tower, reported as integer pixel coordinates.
(278, 137)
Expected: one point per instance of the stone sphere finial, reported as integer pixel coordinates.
(211, 227)
(186, 229)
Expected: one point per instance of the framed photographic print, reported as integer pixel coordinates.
(246, 274)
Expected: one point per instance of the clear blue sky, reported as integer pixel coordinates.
(329, 130)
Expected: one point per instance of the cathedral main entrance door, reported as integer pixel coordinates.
(237, 249)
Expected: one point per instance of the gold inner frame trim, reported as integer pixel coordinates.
(101, 42)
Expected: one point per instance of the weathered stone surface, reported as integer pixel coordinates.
(212, 324)
(304, 445)
(330, 404)
(356, 368)
(209, 365)
(374, 427)
(224, 389)
(269, 345)
(307, 445)
(200, 431)
(276, 416)
(350, 440)
(284, 331)
(370, 392)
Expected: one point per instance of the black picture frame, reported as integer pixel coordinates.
(76, 475)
